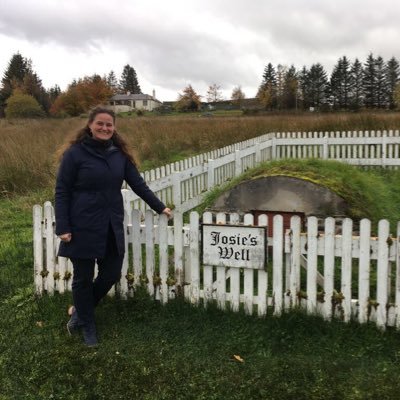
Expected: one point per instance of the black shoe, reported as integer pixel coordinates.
(74, 323)
(89, 334)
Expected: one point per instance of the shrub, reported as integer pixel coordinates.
(23, 106)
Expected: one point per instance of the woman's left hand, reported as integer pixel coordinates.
(167, 211)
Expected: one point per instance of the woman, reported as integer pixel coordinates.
(89, 213)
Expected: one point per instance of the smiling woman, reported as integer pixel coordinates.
(102, 127)
(89, 213)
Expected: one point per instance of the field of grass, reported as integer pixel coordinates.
(149, 351)
(28, 147)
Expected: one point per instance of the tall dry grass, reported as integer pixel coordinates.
(28, 147)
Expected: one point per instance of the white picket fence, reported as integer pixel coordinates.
(183, 184)
(344, 276)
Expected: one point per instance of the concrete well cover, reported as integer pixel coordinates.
(282, 193)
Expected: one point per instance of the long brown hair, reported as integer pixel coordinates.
(117, 139)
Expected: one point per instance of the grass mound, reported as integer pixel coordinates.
(372, 193)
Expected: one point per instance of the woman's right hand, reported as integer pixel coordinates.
(65, 237)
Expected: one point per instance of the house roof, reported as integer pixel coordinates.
(118, 97)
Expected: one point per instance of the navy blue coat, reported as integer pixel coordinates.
(88, 199)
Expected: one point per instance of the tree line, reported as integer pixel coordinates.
(22, 93)
(373, 84)
(351, 86)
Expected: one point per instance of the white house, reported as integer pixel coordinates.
(132, 102)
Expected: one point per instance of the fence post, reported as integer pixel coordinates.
(382, 273)
(397, 287)
(50, 253)
(38, 247)
(273, 148)
(210, 174)
(325, 148)
(257, 152)
(312, 264)
(176, 190)
(178, 248)
(295, 260)
(238, 163)
(384, 148)
(194, 241)
(277, 257)
(149, 221)
(364, 270)
(329, 265)
(163, 250)
(347, 237)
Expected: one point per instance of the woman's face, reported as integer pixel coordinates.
(102, 127)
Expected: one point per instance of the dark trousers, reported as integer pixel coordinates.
(86, 292)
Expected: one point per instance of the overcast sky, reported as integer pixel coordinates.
(173, 43)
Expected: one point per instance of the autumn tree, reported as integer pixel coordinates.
(214, 93)
(237, 96)
(189, 100)
(82, 95)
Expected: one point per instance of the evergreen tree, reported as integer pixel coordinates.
(381, 83)
(392, 78)
(356, 97)
(290, 89)
(317, 85)
(304, 88)
(280, 85)
(340, 84)
(32, 85)
(112, 82)
(369, 82)
(129, 82)
(13, 76)
(54, 92)
(267, 92)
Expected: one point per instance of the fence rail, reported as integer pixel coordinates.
(182, 184)
(346, 276)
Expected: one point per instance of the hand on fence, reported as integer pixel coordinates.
(167, 211)
(65, 237)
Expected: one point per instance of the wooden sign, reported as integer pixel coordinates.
(234, 246)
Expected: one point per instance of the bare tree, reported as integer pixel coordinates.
(214, 93)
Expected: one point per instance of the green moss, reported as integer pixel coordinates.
(372, 194)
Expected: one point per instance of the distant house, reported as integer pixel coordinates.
(132, 102)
